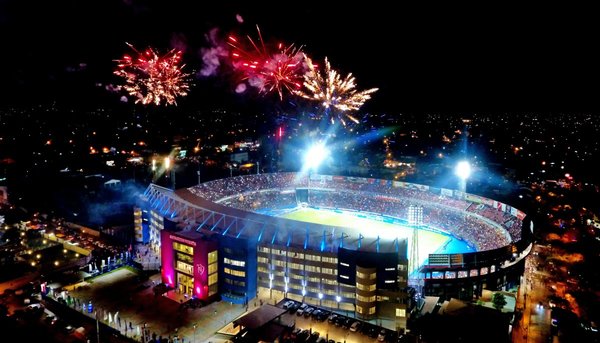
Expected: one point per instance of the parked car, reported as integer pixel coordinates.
(355, 326)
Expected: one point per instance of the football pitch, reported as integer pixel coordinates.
(429, 242)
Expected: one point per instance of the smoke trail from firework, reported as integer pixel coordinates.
(151, 78)
(212, 56)
(278, 71)
(333, 91)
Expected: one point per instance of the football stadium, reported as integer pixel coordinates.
(363, 245)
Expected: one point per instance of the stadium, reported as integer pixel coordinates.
(353, 244)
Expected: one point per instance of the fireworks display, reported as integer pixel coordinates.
(279, 70)
(152, 78)
(333, 91)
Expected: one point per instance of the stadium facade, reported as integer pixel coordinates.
(218, 240)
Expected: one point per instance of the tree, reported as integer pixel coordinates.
(499, 300)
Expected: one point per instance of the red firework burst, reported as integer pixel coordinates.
(268, 69)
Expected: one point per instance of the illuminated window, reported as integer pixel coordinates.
(359, 309)
(400, 312)
(366, 287)
(344, 264)
(212, 257)
(184, 258)
(365, 299)
(184, 267)
(212, 279)
(233, 272)
(183, 248)
(372, 310)
(212, 268)
(234, 262)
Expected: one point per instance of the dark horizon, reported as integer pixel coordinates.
(421, 60)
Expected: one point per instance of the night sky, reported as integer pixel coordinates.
(422, 59)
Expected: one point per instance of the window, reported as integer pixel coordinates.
(296, 276)
(345, 277)
(344, 264)
(366, 287)
(212, 279)
(365, 299)
(359, 309)
(295, 266)
(330, 259)
(389, 281)
(371, 276)
(184, 267)
(313, 269)
(296, 255)
(213, 289)
(184, 258)
(327, 271)
(212, 257)
(400, 312)
(234, 272)
(372, 310)
(235, 262)
(263, 260)
(390, 269)
(183, 248)
(212, 268)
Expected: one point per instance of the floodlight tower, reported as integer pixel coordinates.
(415, 220)
(463, 171)
(313, 158)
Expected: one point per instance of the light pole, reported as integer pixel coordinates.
(97, 328)
(194, 333)
(198, 172)
(320, 298)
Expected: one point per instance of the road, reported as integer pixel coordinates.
(534, 324)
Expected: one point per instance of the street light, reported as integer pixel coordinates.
(320, 298)
(194, 333)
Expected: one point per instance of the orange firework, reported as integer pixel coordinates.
(333, 91)
(151, 78)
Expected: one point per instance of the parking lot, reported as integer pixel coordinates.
(333, 327)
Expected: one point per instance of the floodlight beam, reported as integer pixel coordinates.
(463, 170)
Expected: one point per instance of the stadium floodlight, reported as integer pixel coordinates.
(463, 170)
(315, 156)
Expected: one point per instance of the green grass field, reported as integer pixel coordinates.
(429, 241)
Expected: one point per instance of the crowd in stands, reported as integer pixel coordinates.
(485, 227)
